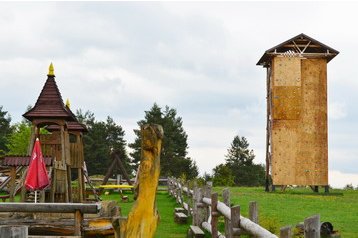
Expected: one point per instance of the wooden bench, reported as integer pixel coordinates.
(195, 232)
(179, 209)
(78, 209)
(180, 218)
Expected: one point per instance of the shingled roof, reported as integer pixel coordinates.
(71, 126)
(49, 103)
(300, 45)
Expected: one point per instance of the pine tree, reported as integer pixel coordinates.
(240, 161)
(173, 160)
(5, 130)
(102, 138)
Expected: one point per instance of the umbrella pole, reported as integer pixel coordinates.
(35, 196)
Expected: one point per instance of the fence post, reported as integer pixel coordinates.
(188, 198)
(235, 221)
(253, 213)
(199, 210)
(286, 232)
(312, 227)
(226, 200)
(207, 193)
(214, 215)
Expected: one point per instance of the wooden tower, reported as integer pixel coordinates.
(297, 139)
(63, 143)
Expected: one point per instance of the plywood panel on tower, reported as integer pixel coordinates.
(287, 71)
(299, 127)
(285, 137)
(286, 102)
(312, 159)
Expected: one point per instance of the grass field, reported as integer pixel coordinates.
(340, 207)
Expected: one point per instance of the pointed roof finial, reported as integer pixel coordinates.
(51, 70)
(68, 104)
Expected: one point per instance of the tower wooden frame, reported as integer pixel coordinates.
(297, 133)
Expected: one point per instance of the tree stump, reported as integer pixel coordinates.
(143, 218)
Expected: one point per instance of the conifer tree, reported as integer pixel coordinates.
(173, 159)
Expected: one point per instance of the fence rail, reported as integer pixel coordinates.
(205, 209)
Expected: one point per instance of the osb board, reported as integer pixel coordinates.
(299, 144)
(287, 71)
(284, 139)
(312, 159)
(286, 102)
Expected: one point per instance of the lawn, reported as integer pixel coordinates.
(166, 204)
(278, 209)
(340, 207)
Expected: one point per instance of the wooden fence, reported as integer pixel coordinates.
(205, 209)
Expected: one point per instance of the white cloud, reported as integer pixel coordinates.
(118, 58)
(337, 110)
(338, 179)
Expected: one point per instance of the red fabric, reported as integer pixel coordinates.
(37, 178)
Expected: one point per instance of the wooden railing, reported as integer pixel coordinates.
(205, 209)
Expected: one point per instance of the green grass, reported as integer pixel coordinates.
(291, 207)
(166, 204)
(276, 210)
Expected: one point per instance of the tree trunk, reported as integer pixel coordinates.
(143, 218)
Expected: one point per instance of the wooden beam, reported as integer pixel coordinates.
(50, 207)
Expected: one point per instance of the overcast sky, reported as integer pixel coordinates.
(118, 58)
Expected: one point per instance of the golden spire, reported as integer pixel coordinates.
(68, 104)
(51, 70)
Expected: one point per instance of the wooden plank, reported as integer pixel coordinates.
(54, 236)
(14, 231)
(180, 218)
(50, 207)
(78, 223)
(12, 183)
(196, 232)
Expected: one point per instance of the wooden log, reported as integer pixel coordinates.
(226, 200)
(14, 231)
(312, 227)
(143, 218)
(245, 223)
(286, 232)
(50, 207)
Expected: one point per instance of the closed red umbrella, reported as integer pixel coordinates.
(36, 178)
